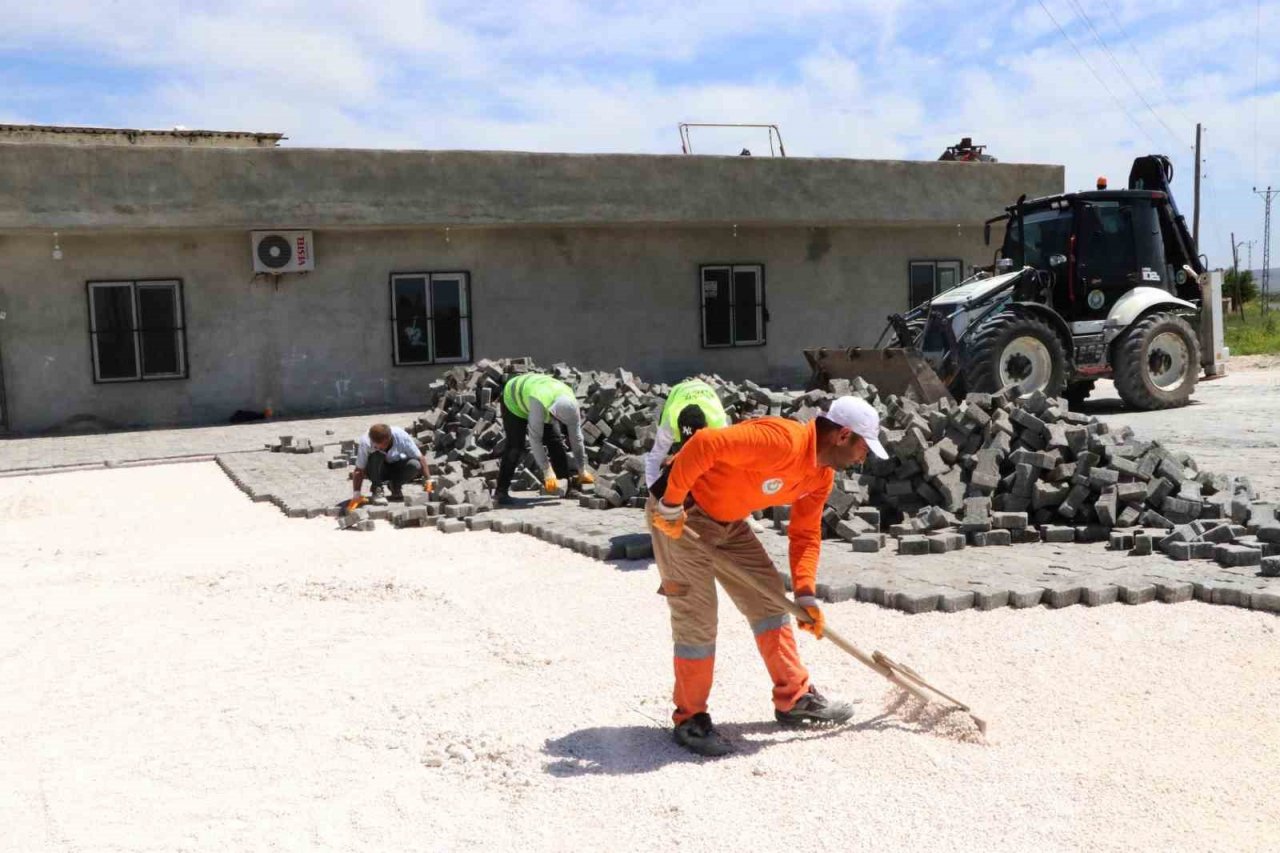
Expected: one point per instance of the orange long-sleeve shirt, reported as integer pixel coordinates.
(737, 470)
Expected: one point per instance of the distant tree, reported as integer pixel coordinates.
(1241, 288)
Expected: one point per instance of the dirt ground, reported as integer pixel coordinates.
(183, 669)
(1231, 427)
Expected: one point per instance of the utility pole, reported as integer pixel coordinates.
(1265, 287)
(1195, 216)
(1235, 269)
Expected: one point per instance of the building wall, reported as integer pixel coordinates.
(594, 297)
(65, 187)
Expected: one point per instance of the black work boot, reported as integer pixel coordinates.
(397, 494)
(377, 496)
(697, 735)
(504, 499)
(813, 708)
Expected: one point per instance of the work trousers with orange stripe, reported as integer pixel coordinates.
(689, 572)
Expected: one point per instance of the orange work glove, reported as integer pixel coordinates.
(587, 478)
(817, 622)
(670, 519)
(428, 486)
(356, 502)
(550, 484)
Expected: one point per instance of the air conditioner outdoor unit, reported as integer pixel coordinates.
(283, 251)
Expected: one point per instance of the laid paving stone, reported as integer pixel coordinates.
(1062, 596)
(989, 597)
(1270, 567)
(1136, 591)
(1097, 595)
(953, 601)
(1020, 597)
(916, 601)
(951, 581)
(1230, 595)
(1268, 602)
(1174, 592)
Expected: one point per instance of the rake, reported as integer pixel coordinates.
(900, 675)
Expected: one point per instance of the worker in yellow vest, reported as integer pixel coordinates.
(535, 407)
(692, 405)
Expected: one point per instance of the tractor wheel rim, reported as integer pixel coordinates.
(1167, 361)
(1026, 363)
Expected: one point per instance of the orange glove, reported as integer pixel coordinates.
(670, 520)
(587, 478)
(428, 486)
(356, 502)
(818, 622)
(550, 484)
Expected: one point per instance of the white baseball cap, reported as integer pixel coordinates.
(858, 415)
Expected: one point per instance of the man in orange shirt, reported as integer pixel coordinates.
(717, 480)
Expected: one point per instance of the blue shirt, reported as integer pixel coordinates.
(402, 447)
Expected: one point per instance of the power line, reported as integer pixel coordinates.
(1257, 52)
(1124, 74)
(1155, 78)
(1097, 76)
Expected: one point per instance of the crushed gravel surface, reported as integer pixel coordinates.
(184, 669)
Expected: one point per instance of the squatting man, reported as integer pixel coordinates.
(388, 455)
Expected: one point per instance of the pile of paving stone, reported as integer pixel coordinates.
(463, 432)
(993, 469)
(997, 469)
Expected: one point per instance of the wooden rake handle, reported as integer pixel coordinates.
(901, 676)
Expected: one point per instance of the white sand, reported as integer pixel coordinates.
(183, 669)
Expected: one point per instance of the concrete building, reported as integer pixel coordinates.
(129, 296)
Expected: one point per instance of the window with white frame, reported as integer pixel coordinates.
(733, 308)
(137, 330)
(431, 317)
(926, 279)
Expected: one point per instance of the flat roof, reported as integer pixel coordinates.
(177, 132)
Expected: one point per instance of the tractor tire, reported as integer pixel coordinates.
(1156, 363)
(1013, 348)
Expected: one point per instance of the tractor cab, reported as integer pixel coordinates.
(1094, 247)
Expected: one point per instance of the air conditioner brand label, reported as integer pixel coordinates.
(301, 252)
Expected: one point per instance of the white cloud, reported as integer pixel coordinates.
(856, 78)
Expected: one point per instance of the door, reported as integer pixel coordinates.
(1108, 261)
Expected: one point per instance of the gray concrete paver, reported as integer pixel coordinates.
(24, 454)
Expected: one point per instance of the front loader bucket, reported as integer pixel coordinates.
(893, 371)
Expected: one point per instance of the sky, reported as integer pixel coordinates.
(1085, 83)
